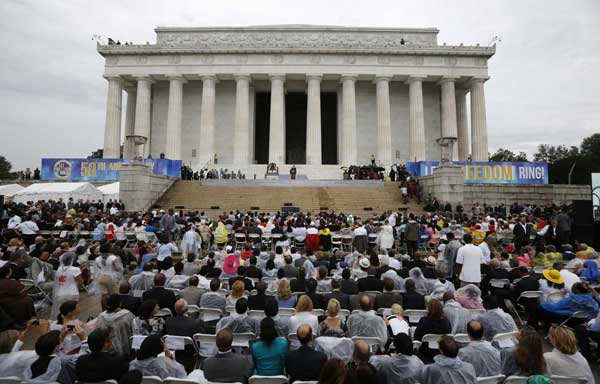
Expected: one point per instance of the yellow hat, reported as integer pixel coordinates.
(553, 276)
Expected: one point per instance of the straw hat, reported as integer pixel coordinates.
(364, 263)
(553, 276)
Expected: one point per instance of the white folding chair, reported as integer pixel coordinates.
(256, 379)
(374, 342)
(172, 380)
(243, 339)
(476, 312)
(293, 341)
(13, 380)
(384, 312)
(318, 312)
(539, 270)
(230, 309)
(193, 309)
(206, 344)
(209, 314)
(136, 341)
(306, 382)
(432, 340)
(499, 283)
(505, 340)
(565, 380)
(414, 315)
(344, 313)
(462, 338)
(491, 379)
(516, 380)
(256, 314)
(164, 312)
(223, 292)
(286, 312)
(178, 343)
(582, 315)
(416, 345)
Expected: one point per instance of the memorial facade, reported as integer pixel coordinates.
(314, 95)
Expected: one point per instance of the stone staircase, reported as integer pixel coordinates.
(192, 195)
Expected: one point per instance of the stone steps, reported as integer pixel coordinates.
(191, 195)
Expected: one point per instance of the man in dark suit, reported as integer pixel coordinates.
(387, 298)
(553, 234)
(521, 232)
(129, 302)
(317, 300)
(348, 285)
(299, 284)
(226, 366)
(183, 325)
(99, 365)
(337, 294)
(252, 271)
(257, 301)
(369, 283)
(164, 297)
(304, 363)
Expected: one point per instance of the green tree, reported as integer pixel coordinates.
(591, 146)
(551, 154)
(508, 155)
(5, 167)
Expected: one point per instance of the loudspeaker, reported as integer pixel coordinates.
(582, 212)
(583, 233)
(1, 205)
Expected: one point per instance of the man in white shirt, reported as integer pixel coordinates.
(470, 257)
(485, 248)
(29, 230)
(14, 221)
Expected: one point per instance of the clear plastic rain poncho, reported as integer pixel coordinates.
(439, 288)
(457, 316)
(385, 239)
(422, 285)
(49, 376)
(65, 286)
(447, 370)
(340, 347)
(469, 297)
(141, 283)
(237, 323)
(496, 321)
(160, 366)
(212, 300)
(14, 364)
(281, 325)
(191, 242)
(398, 281)
(108, 273)
(367, 324)
(120, 329)
(483, 356)
(311, 272)
(399, 369)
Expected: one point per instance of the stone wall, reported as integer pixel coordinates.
(140, 188)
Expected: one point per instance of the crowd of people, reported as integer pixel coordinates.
(427, 298)
(187, 173)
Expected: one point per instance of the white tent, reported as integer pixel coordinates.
(9, 190)
(110, 191)
(55, 191)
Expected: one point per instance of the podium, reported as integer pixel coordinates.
(272, 172)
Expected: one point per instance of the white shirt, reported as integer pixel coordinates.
(570, 279)
(485, 249)
(14, 221)
(65, 280)
(471, 258)
(165, 250)
(28, 228)
(113, 210)
(360, 231)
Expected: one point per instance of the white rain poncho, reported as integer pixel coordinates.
(43, 274)
(304, 318)
(160, 366)
(385, 239)
(447, 370)
(237, 323)
(282, 324)
(141, 283)
(49, 376)
(399, 368)
(213, 300)
(191, 243)
(65, 285)
(120, 325)
(108, 272)
(439, 288)
(483, 356)
(340, 347)
(496, 321)
(422, 285)
(311, 272)
(469, 297)
(368, 324)
(457, 316)
(398, 281)
(14, 364)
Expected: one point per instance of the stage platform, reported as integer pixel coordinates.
(286, 182)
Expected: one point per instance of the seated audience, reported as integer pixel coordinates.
(323, 281)
(148, 322)
(268, 352)
(495, 320)
(192, 293)
(150, 364)
(304, 363)
(411, 299)
(447, 367)
(333, 372)
(527, 357)
(128, 301)
(337, 294)
(316, 298)
(402, 366)
(120, 321)
(237, 292)
(164, 297)
(469, 297)
(348, 285)
(333, 325)
(387, 298)
(480, 353)
(456, 314)
(396, 323)
(99, 365)
(360, 370)
(48, 365)
(434, 323)
(183, 325)
(366, 322)
(285, 299)
(227, 366)
(14, 299)
(564, 359)
(281, 322)
(304, 315)
(580, 299)
(239, 322)
(257, 302)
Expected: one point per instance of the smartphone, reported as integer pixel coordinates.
(70, 327)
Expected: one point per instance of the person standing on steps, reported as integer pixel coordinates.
(293, 172)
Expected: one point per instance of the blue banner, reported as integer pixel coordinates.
(490, 172)
(100, 169)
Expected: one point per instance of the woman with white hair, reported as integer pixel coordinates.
(67, 281)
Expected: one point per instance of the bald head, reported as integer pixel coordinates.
(361, 352)
(365, 303)
(474, 330)
(181, 307)
(304, 333)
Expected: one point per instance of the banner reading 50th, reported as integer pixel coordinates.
(490, 172)
(100, 169)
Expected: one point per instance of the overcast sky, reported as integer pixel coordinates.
(544, 86)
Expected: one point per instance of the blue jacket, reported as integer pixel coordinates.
(572, 304)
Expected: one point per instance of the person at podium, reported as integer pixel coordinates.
(293, 172)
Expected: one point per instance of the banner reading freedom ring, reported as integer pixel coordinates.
(100, 169)
(490, 172)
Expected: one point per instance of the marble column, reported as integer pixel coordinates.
(384, 123)
(173, 142)
(251, 123)
(449, 128)
(112, 127)
(349, 154)
(242, 110)
(462, 125)
(277, 120)
(207, 120)
(143, 110)
(479, 140)
(417, 123)
(129, 146)
(313, 120)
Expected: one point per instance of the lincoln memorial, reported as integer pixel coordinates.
(318, 97)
